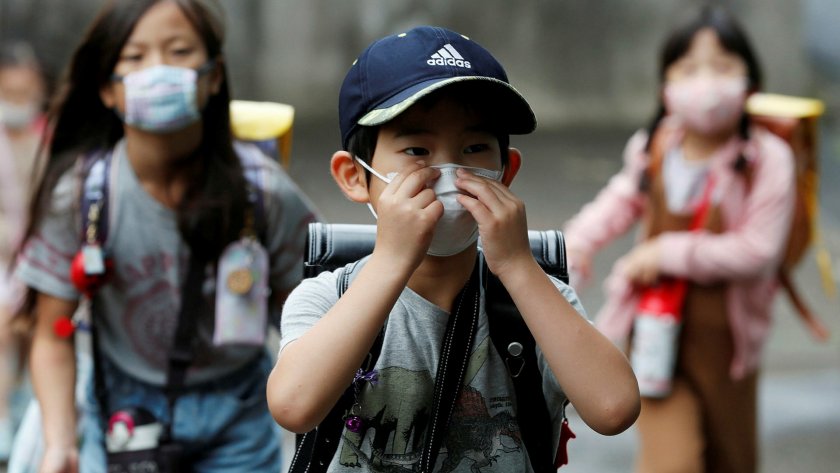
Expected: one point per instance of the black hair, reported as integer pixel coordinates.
(362, 142)
(211, 213)
(733, 39)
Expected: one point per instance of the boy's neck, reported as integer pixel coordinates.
(440, 279)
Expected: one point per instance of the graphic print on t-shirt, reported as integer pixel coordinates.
(396, 414)
(151, 307)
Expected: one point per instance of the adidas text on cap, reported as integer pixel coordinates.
(393, 73)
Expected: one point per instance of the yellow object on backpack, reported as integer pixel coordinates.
(268, 124)
(795, 119)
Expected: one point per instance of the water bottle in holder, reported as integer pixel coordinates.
(653, 352)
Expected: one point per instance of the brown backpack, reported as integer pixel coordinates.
(795, 120)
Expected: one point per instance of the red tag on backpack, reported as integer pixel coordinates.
(566, 434)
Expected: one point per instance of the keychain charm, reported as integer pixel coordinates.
(566, 434)
(240, 281)
(89, 268)
(85, 282)
(64, 327)
(94, 262)
(353, 420)
(354, 423)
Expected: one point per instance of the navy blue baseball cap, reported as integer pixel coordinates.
(393, 73)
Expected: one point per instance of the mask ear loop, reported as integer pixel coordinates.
(372, 171)
(380, 176)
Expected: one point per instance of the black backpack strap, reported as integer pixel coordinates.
(316, 448)
(192, 301)
(93, 199)
(452, 366)
(516, 345)
(93, 211)
(182, 352)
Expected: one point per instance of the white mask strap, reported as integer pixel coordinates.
(372, 171)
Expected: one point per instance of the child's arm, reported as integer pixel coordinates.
(613, 211)
(593, 373)
(313, 371)
(53, 369)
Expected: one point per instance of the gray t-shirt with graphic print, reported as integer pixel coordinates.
(141, 300)
(484, 434)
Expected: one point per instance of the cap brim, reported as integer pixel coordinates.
(515, 116)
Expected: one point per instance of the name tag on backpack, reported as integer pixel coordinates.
(242, 294)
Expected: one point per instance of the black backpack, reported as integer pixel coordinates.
(333, 246)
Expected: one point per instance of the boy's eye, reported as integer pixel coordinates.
(477, 148)
(416, 151)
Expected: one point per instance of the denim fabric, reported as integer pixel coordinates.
(224, 425)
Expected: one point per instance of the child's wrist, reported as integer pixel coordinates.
(516, 270)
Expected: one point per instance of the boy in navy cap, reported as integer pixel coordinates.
(425, 118)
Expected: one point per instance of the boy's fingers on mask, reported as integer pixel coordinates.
(483, 189)
(402, 175)
(478, 209)
(415, 181)
(496, 197)
(425, 197)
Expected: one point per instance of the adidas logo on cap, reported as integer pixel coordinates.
(448, 56)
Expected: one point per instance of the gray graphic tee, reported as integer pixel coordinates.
(141, 301)
(484, 434)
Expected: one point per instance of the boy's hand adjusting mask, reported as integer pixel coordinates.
(457, 229)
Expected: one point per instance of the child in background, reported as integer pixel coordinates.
(700, 151)
(22, 96)
(425, 119)
(23, 93)
(148, 86)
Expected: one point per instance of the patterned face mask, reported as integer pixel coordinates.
(162, 98)
(457, 229)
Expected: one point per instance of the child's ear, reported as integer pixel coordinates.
(349, 177)
(108, 95)
(513, 164)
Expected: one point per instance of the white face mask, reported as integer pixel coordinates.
(457, 229)
(17, 116)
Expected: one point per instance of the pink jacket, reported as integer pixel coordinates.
(747, 254)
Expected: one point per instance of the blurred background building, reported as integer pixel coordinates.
(582, 63)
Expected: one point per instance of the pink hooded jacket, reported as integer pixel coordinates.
(756, 219)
